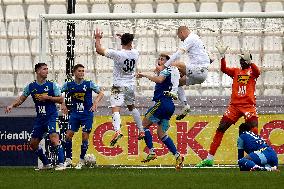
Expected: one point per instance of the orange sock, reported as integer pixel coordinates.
(216, 142)
(254, 130)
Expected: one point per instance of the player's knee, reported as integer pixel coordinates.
(252, 122)
(241, 162)
(224, 124)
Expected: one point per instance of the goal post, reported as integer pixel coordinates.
(260, 32)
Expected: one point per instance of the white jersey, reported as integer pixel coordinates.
(125, 63)
(195, 49)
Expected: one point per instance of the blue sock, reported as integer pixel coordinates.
(246, 164)
(60, 153)
(42, 156)
(170, 144)
(84, 148)
(68, 148)
(148, 139)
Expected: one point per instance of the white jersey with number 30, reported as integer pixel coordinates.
(125, 63)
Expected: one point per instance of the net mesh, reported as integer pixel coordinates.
(262, 36)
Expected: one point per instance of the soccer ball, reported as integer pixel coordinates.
(90, 160)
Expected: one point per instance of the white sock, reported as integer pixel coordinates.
(116, 121)
(175, 76)
(136, 116)
(181, 95)
(210, 157)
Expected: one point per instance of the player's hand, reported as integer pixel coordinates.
(139, 75)
(8, 109)
(43, 97)
(94, 108)
(64, 109)
(98, 34)
(246, 56)
(118, 35)
(221, 49)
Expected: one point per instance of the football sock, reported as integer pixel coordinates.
(216, 142)
(170, 144)
(136, 116)
(84, 148)
(116, 121)
(68, 148)
(175, 76)
(181, 95)
(148, 139)
(42, 156)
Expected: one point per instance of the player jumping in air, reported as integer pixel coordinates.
(125, 63)
(194, 71)
(160, 113)
(82, 111)
(242, 99)
(260, 156)
(45, 95)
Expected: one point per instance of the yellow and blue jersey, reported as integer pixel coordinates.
(43, 108)
(81, 95)
(166, 85)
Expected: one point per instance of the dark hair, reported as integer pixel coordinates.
(39, 65)
(165, 55)
(126, 38)
(76, 67)
(244, 127)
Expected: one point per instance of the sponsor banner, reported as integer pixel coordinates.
(14, 147)
(192, 136)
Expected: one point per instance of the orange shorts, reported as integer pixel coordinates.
(234, 112)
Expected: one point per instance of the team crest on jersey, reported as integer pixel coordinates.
(84, 88)
(243, 79)
(79, 96)
(46, 88)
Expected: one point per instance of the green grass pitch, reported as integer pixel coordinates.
(111, 178)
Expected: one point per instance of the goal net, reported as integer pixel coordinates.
(261, 33)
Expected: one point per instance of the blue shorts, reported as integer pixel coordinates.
(77, 120)
(161, 113)
(265, 156)
(44, 124)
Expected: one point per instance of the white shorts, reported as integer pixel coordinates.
(122, 95)
(195, 74)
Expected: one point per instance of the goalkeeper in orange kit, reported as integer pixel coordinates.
(242, 100)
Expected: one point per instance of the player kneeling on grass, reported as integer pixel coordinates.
(45, 95)
(160, 113)
(82, 111)
(260, 156)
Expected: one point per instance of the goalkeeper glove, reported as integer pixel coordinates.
(246, 56)
(221, 49)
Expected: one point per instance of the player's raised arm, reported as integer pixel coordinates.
(222, 51)
(156, 79)
(98, 35)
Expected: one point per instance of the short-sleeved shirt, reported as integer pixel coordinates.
(81, 95)
(43, 108)
(125, 63)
